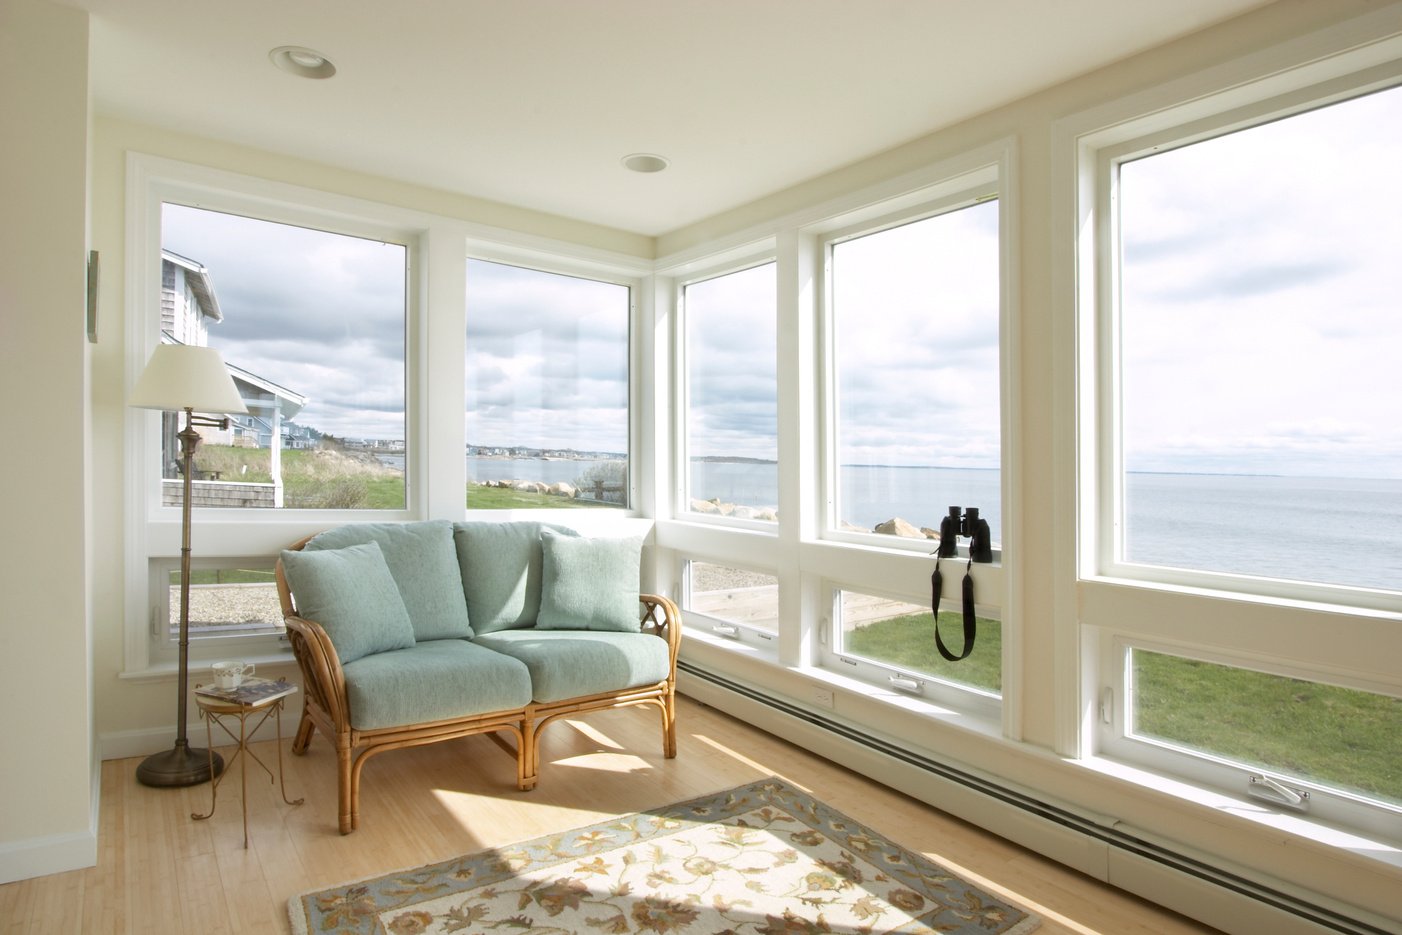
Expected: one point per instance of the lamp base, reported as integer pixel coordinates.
(182, 765)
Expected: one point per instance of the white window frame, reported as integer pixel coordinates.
(219, 536)
(1330, 634)
(765, 641)
(806, 557)
(681, 481)
(578, 264)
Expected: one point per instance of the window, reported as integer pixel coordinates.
(312, 300)
(915, 345)
(738, 599)
(900, 637)
(226, 600)
(1259, 349)
(732, 439)
(1243, 581)
(311, 325)
(547, 389)
(1292, 728)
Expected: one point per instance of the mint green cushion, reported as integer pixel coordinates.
(589, 584)
(424, 564)
(572, 664)
(351, 593)
(500, 566)
(433, 681)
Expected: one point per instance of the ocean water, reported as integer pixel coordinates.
(1333, 530)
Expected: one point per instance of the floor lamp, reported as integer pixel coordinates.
(183, 377)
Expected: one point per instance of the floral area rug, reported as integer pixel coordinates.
(762, 859)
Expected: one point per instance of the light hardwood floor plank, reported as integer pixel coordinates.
(158, 871)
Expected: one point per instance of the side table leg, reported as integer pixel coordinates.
(213, 776)
(282, 776)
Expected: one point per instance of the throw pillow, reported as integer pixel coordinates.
(420, 556)
(589, 584)
(500, 565)
(351, 593)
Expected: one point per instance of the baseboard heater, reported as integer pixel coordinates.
(1319, 915)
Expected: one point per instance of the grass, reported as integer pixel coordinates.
(909, 643)
(329, 479)
(1337, 736)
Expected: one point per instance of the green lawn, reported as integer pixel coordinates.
(504, 498)
(1336, 736)
(909, 643)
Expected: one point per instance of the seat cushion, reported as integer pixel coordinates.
(424, 564)
(352, 594)
(433, 681)
(573, 663)
(500, 567)
(589, 583)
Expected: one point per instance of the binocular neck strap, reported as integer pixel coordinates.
(970, 622)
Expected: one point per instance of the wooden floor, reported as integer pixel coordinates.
(158, 871)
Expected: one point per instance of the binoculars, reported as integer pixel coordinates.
(962, 522)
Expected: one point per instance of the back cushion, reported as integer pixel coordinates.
(351, 593)
(424, 565)
(500, 566)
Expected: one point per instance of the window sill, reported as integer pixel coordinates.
(1328, 839)
(162, 671)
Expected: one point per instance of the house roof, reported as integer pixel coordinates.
(197, 278)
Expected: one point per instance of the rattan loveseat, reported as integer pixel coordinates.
(413, 633)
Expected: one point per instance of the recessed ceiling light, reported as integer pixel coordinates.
(645, 162)
(306, 63)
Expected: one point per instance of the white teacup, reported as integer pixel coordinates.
(231, 674)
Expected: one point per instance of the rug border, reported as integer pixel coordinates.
(299, 918)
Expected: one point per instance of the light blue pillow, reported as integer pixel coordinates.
(351, 593)
(500, 564)
(424, 565)
(589, 584)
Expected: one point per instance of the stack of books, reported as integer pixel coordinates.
(253, 692)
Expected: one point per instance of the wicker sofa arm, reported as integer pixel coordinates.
(661, 616)
(323, 681)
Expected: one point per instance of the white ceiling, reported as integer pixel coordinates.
(534, 102)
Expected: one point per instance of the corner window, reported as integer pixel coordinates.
(311, 326)
(732, 430)
(547, 389)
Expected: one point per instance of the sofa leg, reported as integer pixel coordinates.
(303, 738)
(345, 790)
(526, 756)
(669, 726)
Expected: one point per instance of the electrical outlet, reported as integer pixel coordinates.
(822, 696)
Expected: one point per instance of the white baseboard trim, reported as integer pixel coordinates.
(1232, 909)
(39, 857)
(118, 745)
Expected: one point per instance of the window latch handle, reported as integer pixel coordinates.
(1264, 787)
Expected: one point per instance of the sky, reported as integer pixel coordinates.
(1262, 332)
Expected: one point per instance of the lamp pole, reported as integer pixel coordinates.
(182, 765)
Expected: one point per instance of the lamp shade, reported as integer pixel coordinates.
(182, 376)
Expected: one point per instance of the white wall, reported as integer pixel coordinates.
(46, 762)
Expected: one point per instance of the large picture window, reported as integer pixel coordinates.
(1259, 351)
(311, 325)
(547, 389)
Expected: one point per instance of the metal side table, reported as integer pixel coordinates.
(215, 710)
